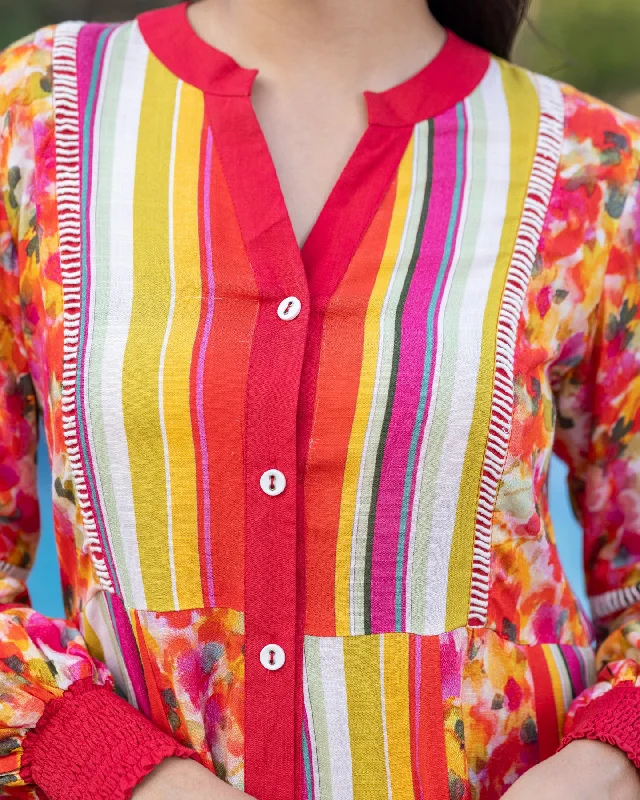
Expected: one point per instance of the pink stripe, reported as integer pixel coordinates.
(575, 668)
(452, 646)
(204, 343)
(130, 654)
(410, 375)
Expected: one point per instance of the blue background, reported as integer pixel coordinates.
(44, 583)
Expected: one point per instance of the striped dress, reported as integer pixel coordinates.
(300, 496)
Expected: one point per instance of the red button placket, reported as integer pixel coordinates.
(271, 542)
(273, 614)
(279, 409)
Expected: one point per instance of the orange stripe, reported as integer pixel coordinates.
(225, 376)
(428, 746)
(337, 394)
(545, 702)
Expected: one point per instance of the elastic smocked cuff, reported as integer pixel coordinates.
(614, 718)
(92, 743)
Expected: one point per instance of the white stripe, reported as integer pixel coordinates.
(602, 605)
(165, 343)
(334, 690)
(97, 614)
(383, 709)
(11, 571)
(121, 299)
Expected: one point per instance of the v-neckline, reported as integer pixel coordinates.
(316, 268)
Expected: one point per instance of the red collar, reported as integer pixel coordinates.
(450, 77)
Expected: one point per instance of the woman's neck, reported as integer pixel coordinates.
(361, 44)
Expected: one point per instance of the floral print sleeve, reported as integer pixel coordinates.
(49, 682)
(598, 421)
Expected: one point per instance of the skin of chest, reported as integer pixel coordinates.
(310, 131)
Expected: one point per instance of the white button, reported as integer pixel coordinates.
(273, 482)
(289, 308)
(272, 656)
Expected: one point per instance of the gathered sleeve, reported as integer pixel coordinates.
(63, 727)
(598, 436)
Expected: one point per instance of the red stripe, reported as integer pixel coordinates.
(225, 376)
(431, 752)
(545, 703)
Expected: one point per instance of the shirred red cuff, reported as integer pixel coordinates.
(92, 743)
(614, 718)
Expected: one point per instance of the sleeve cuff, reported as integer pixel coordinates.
(92, 743)
(614, 718)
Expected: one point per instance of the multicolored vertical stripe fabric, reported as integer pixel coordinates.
(150, 512)
(399, 715)
(392, 544)
(465, 307)
(389, 545)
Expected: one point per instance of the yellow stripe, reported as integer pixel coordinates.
(524, 109)
(184, 326)
(362, 673)
(397, 714)
(146, 330)
(365, 391)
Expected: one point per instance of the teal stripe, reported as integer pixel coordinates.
(428, 365)
(307, 763)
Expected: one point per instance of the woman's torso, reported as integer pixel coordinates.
(408, 568)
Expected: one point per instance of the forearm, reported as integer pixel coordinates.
(184, 779)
